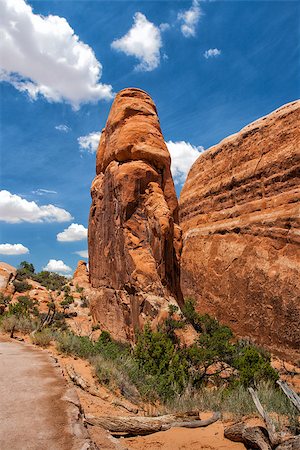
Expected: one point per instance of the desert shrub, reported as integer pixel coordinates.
(25, 306)
(8, 323)
(5, 299)
(115, 376)
(67, 301)
(42, 338)
(26, 324)
(72, 344)
(253, 364)
(215, 345)
(25, 270)
(79, 289)
(109, 348)
(21, 286)
(50, 280)
(22, 324)
(159, 358)
(84, 301)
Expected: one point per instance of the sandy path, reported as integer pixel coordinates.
(33, 414)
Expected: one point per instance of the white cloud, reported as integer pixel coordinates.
(41, 55)
(212, 53)
(189, 19)
(143, 41)
(89, 142)
(13, 249)
(58, 266)
(83, 253)
(43, 192)
(63, 128)
(183, 155)
(15, 209)
(74, 232)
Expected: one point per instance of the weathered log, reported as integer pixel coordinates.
(252, 437)
(274, 437)
(292, 396)
(290, 444)
(147, 425)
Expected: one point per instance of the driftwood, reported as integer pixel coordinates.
(290, 444)
(292, 396)
(84, 385)
(275, 438)
(252, 437)
(147, 425)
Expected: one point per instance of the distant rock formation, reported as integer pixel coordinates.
(240, 214)
(134, 238)
(81, 275)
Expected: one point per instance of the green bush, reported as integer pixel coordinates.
(158, 356)
(253, 365)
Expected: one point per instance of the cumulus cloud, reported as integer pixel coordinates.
(183, 155)
(15, 209)
(212, 53)
(41, 55)
(58, 266)
(189, 19)
(63, 128)
(74, 232)
(13, 249)
(83, 253)
(143, 41)
(89, 142)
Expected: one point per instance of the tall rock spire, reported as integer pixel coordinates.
(134, 237)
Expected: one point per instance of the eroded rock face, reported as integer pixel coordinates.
(134, 237)
(240, 214)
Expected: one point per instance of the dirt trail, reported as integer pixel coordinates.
(34, 414)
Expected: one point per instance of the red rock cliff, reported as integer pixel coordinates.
(134, 237)
(240, 214)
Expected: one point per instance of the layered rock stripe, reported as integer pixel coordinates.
(240, 215)
(134, 237)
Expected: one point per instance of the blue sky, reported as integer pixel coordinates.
(211, 68)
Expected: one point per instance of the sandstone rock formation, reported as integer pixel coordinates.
(81, 275)
(134, 237)
(7, 275)
(240, 215)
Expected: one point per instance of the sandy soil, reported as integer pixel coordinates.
(33, 413)
(211, 437)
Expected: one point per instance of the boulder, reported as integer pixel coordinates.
(240, 215)
(7, 275)
(134, 238)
